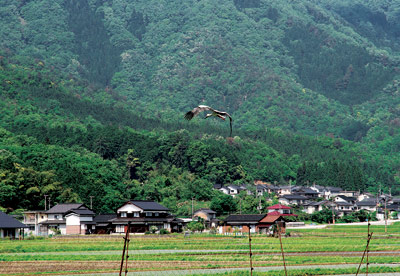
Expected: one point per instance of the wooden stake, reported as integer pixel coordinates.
(366, 248)
(126, 241)
(283, 255)
(127, 251)
(250, 254)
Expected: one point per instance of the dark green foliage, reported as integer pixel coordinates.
(352, 77)
(98, 57)
(92, 97)
(222, 203)
(324, 216)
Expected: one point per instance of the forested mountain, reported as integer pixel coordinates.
(93, 95)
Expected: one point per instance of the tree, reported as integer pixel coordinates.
(222, 203)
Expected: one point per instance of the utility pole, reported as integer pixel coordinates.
(45, 202)
(91, 202)
(49, 202)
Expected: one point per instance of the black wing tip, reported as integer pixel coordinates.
(189, 115)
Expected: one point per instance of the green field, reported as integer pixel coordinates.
(336, 245)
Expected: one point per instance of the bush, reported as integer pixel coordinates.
(164, 231)
(153, 229)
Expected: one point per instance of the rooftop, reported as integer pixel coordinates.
(278, 206)
(62, 208)
(148, 205)
(7, 221)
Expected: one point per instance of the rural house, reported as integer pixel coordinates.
(209, 217)
(56, 217)
(293, 199)
(79, 221)
(241, 223)
(33, 220)
(104, 224)
(11, 227)
(142, 215)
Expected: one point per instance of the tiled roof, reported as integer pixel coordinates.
(82, 212)
(7, 221)
(299, 197)
(148, 205)
(270, 218)
(205, 210)
(278, 206)
(53, 221)
(104, 218)
(366, 202)
(62, 208)
(245, 218)
(276, 213)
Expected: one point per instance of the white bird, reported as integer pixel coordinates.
(214, 113)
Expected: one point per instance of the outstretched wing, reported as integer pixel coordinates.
(225, 114)
(195, 111)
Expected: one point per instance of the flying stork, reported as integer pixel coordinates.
(214, 113)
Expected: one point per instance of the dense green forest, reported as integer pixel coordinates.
(93, 95)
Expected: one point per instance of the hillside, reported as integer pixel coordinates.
(312, 86)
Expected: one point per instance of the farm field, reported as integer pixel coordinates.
(331, 251)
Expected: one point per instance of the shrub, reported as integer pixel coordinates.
(164, 231)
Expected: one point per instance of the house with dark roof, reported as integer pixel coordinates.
(141, 215)
(79, 221)
(241, 223)
(104, 224)
(343, 198)
(234, 189)
(56, 217)
(312, 206)
(305, 191)
(208, 215)
(343, 208)
(293, 199)
(11, 227)
(370, 204)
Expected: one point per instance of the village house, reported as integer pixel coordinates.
(208, 215)
(253, 223)
(11, 227)
(369, 204)
(141, 215)
(306, 192)
(293, 199)
(343, 198)
(280, 209)
(312, 206)
(33, 220)
(343, 208)
(55, 218)
(104, 224)
(241, 223)
(79, 221)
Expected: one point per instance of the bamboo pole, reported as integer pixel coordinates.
(283, 255)
(127, 250)
(250, 253)
(366, 248)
